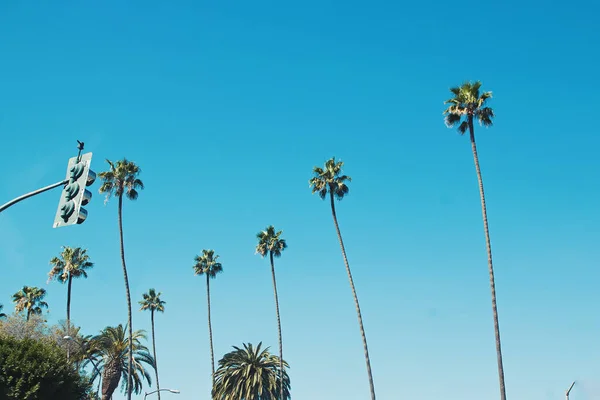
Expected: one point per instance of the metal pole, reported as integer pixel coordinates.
(26, 196)
(569, 390)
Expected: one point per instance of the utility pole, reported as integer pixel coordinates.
(569, 390)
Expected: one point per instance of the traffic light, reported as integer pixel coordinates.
(75, 195)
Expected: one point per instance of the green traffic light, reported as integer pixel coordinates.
(76, 171)
(67, 210)
(71, 190)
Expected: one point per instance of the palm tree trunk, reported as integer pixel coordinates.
(69, 315)
(154, 351)
(488, 246)
(110, 379)
(210, 336)
(360, 322)
(278, 328)
(130, 351)
(28, 313)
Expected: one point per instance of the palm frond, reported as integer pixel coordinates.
(330, 180)
(468, 102)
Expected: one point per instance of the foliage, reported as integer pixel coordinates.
(17, 327)
(121, 179)
(111, 351)
(469, 103)
(207, 264)
(151, 301)
(30, 299)
(33, 369)
(2, 315)
(250, 374)
(330, 180)
(270, 241)
(73, 262)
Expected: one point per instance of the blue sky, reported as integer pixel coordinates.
(228, 107)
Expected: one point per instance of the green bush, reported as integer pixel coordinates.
(37, 369)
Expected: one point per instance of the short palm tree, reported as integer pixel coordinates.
(330, 181)
(270, 242)
(466, 106)
(2, 315)
(122, 180)
(111, 351)
(207, 264)
(251, 374)
(30, 299)
(151, 301)
(71, 263)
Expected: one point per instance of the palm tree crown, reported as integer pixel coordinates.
(250, 374)
(468, 103)
(73, 261)
(111, 349)
(330, 180)
(30, 299)
(151, 301)
(270, 241)
(207, 264)
(121, 179)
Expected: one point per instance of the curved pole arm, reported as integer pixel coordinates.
(30, 194)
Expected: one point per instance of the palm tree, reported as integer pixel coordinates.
(329, 180)
(270, 242)
(122, 180)
(2, 315)
(251, 374)
(72, 263)
(207, 264)
(151, 301)
(30, 299)
(110, 350)
(466, 105)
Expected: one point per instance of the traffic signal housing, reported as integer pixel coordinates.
(75, 195)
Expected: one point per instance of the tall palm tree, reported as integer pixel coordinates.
(270, 242)
(111, 352)
(330, 181)
(207, 264)
(71, 263)
(466, 105)
(122, 180)
(251, 374)
(151, 301)
(2, 315)
(31, 299)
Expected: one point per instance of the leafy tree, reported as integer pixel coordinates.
(111, 350)
(330, 181)
(466, 105)
(251, 374)
(151, 301)
(71, 263)
(122, 180)
(207, 264)
(2, 315)
(17, 327)
(30, 299)
(271, 243)
(38, 370)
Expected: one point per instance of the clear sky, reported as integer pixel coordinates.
(227, 107)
